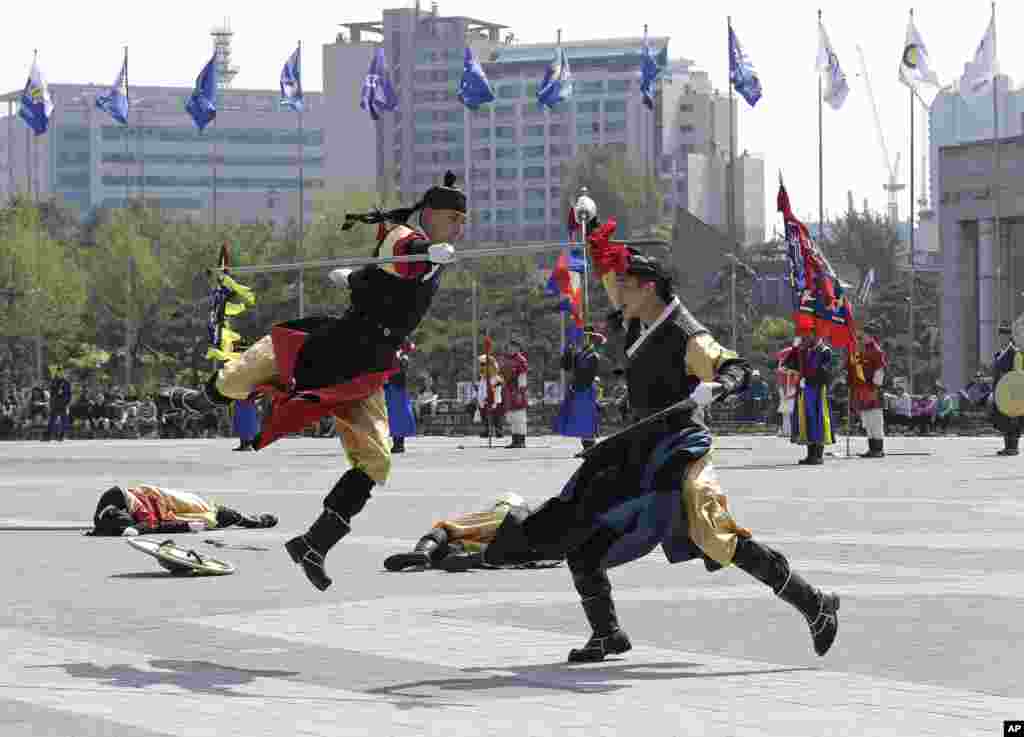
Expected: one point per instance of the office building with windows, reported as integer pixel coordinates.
(509, 154)
(246, 161)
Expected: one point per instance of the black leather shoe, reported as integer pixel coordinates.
(311, 561)
(597, 648)
(401, 561)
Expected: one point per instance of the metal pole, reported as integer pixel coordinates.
(302, 212)
(821, 161)
(476, 331)
(215, 155)
(10, 145)
(142, 156)
(997, 189)
(735, 344)
(127, 137)
(910, 317)
(730, 203)
(28, 163)
(586, 273)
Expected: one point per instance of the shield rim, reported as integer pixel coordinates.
(161, 551)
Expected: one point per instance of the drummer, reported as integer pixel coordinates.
(1008, 373)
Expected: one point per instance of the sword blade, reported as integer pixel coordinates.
(475, 253)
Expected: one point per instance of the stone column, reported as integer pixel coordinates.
(954, 304)
(988, 320)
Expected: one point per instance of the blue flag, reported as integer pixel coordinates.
(649, 73)
(115, 102)
(557, 84)
(378, 93)
(36, 107)
(741, 72)
(291, 81)
(202, 104)
(474, 90)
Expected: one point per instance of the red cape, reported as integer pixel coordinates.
(292, 411)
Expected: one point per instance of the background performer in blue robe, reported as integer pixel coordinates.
(246, 422)
(812, 413)
(578, 416)
(401, 420)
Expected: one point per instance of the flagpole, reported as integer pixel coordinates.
(998, 250)
(302, 207)
(730, 198)
(821, 159)
(913, 276)
(30, 159)
(10, 145)
(732, 163)
(214, 164)
(128, 177)
(28, 163)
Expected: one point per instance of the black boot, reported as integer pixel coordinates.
(1011, 442)
(875, 449)
(430, 548)
(518, 441)
(346, 500)
(607, 637)
(770, 567)
(397, 444)
(595, 590)
(227, 517)
(815, 455)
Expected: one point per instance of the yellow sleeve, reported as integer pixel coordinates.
(704, 355)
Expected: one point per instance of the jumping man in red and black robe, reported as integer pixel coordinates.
(339, 365)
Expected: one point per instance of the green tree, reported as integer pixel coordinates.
(45, 287)
(129, 278)
(866, 240)
(619, 188)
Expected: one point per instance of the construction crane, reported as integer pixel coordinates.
(893, 168)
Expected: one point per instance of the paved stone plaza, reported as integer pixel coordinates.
(925, 548)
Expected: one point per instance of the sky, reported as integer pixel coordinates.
(83, 42)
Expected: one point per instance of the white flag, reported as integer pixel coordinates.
(836, 88)
(980, 73)
(915, 64)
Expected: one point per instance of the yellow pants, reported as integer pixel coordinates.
(362, 425)
(711, 524)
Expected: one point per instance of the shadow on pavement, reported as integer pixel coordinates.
(758, 466)
(162, 575)
(564, 677)
(197, 676)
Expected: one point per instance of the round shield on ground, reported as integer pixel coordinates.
(180, 561)
(1010, 394)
